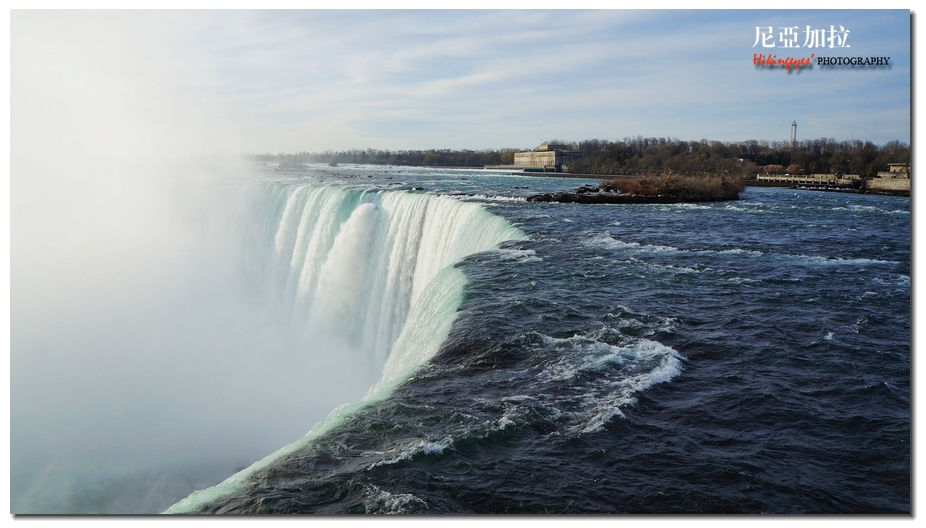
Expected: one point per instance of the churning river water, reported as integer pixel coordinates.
(751, 356)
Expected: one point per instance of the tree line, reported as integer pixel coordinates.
(644, 156)
(640, 156)
(426, 158)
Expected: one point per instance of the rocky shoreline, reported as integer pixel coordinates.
(614, 198)
(646, 191)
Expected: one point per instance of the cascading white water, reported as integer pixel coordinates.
(374, 270)
(356, 262)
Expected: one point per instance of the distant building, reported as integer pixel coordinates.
(896, 170)
(547, 157)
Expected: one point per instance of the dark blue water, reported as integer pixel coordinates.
(737, 357)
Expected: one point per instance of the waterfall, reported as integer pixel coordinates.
(373, 270)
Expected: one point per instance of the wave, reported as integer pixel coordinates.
(577, 386)
(606, 241)
(518, 255)
(489, 197)
(384, 502)
(621, 372)
(373, 270)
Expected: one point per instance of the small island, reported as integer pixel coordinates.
(651, 189)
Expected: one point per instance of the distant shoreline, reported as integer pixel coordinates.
(562, 175)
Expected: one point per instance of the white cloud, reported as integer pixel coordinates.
(297, 80)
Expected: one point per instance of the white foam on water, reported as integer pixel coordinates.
(669, 268)
(437, 448)
(903, 281)
(518, 255)
(624, 371)
(739, 251)
(384, 502)
(606, 241)
(689, 206)
(736, 208)
(835, 261)
(492, 197)
(407, 451)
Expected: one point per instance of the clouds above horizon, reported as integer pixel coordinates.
(316, 80)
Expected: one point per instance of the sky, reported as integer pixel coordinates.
(287, 81)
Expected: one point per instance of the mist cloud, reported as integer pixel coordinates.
(139, 342)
